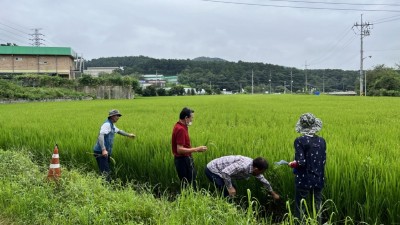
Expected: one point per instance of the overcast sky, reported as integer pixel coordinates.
(287, 33)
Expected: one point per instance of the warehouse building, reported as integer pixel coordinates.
(38, 60)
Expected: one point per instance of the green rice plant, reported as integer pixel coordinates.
(361, 134)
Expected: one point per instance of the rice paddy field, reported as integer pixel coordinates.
(362, 135)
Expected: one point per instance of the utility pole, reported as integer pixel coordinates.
(323, 82)
(305, 71)
(284, 87)
(252, 82)
(365, 81)
(364, 31)
(291, 81)
(81, 63)
(36, 37)
(270, 90)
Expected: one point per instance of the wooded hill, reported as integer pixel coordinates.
(220, 74)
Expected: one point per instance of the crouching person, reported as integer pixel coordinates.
(223, 170)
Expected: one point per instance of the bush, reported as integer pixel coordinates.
(150, 91)
(161, 92)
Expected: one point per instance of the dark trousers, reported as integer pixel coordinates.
(315, 194)
(217, 181)
(186, 171)
(104, 166)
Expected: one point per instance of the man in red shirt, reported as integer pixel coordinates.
(182, 149)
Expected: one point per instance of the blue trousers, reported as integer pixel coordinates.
(217, 181)
(104, 166)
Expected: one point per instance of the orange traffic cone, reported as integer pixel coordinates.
(54, 170)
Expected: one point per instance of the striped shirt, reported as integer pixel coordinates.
(235, 167)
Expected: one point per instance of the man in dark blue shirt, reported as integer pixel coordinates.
(309, 163)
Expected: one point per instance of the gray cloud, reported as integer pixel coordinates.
(181, 29)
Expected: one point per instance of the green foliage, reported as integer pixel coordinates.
(108, 80)
(28, 198)
(232, 76)
(37, 87)
(149, 91)
(177, 90)
(161, 92)
(87, 80)
(32, 80)
(383, 81)
(12, 91)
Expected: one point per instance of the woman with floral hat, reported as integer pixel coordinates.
(309, 163)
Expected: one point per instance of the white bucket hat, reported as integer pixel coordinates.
(308, 124)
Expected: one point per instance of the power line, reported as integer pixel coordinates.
(332, 50)
(302, 7)
(45, 42)
(347, 60)
(13, 28)
(388, 20)
(12, 33)
(345, 45)
(14, 39)
(8, 22)
(337, 3)
(383, 50)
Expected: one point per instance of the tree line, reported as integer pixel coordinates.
(214, 75)
(233, 76)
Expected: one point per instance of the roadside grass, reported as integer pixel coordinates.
(28, 198)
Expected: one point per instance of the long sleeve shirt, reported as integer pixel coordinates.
(310, 154)
(235, 167)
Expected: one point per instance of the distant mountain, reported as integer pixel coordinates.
(208, 59)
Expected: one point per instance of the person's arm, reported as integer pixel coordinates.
(105, 129)
(182, 150)
(100, 139)
(226, 175)
(300, 159)
(268, 186)
(180, 141)
(123, 133)
(228, 183)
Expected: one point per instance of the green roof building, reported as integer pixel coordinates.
(39, 60)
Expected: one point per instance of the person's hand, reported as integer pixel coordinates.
(232, 191)
(293, 164)
(104, 153)
(275, 196)
(131, 135)
(201, 149)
